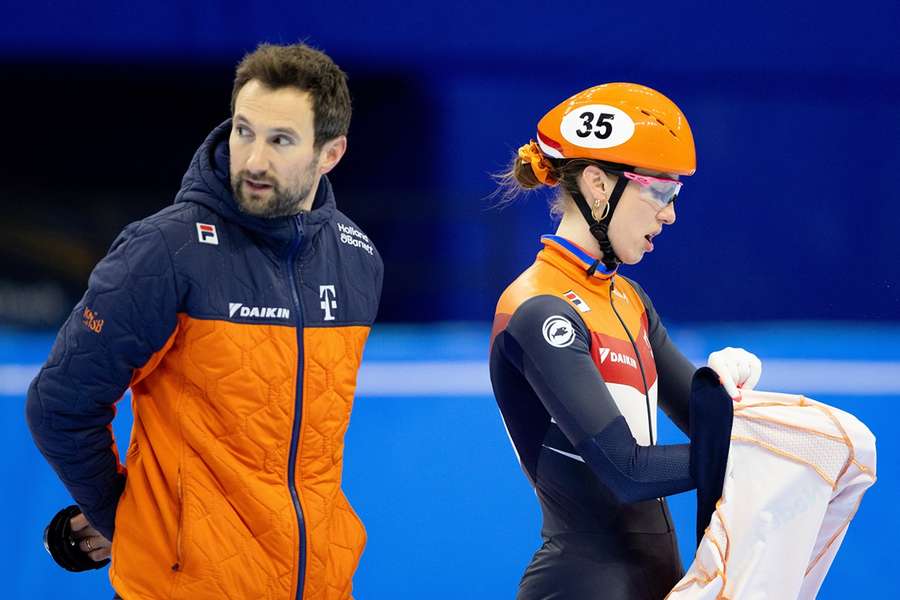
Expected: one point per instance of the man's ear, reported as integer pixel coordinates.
(331, 153)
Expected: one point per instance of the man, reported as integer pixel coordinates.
(237, 317)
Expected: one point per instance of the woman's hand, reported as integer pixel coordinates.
(737, 370)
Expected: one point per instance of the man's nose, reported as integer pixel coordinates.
(667, 215)
(257, 161)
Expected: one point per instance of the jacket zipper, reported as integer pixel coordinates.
(179, 562)
(637, 354)
(298, 405)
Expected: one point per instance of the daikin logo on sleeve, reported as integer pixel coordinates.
(558, 331)
(257, 312)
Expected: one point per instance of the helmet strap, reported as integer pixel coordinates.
(600, 229)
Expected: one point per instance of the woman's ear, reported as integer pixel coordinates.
(595, 184)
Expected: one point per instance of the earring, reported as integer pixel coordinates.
(605, 211)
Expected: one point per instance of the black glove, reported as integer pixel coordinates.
(63, 546)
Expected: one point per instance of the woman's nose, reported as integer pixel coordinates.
(667, 215)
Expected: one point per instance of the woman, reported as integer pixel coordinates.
(579, 356)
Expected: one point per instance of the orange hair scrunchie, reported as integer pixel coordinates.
(531, 153)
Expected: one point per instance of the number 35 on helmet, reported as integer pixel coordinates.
(621, 123)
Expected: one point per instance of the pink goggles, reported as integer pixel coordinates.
(660, 191)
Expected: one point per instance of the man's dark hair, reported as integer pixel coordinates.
(308, 70)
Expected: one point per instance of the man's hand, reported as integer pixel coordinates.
(73, 543)
(737, 370)
(90, 541)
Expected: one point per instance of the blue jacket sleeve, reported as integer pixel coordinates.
(127, 314)
(553, 352)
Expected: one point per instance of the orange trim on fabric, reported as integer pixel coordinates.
(834, 537)
(843, 439)
(779, 422)
(710, 536)
(787, 455)
(864, 469)
(850, 459)
(803, 402)
(727, 549)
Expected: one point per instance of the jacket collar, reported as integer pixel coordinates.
(207, 182)
(572, 259)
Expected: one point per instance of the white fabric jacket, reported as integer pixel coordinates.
(797, 470)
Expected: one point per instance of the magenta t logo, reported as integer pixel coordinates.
(329, 300)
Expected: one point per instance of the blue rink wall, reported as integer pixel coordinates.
(431, 472)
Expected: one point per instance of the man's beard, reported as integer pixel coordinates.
(277, 201)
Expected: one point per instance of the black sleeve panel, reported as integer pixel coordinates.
(673, 368)
(563, 375)
(552, 351)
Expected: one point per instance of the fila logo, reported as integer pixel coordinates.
(329, 300)
(575, 299)
(206, 233)
(617, 357)
(258, 312)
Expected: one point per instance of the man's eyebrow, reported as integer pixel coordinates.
(285, 130)
(242, 120)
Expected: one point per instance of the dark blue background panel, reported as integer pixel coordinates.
(791, 214)
(670, 36)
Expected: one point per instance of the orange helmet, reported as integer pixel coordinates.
(623, 123)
